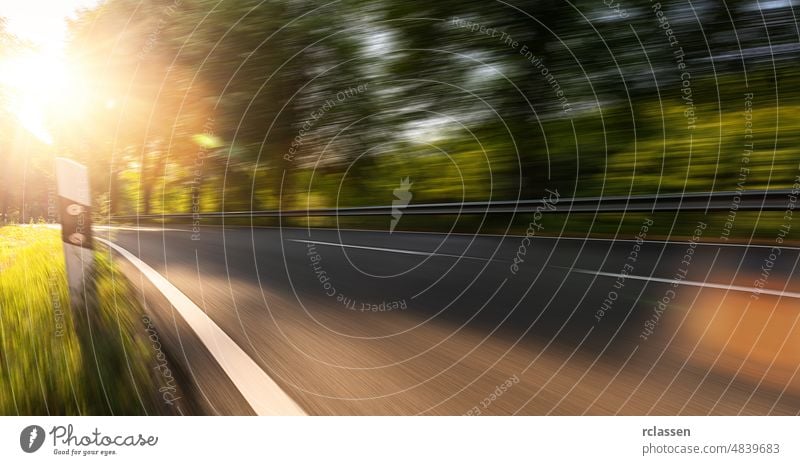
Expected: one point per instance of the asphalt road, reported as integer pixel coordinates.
(418, 323)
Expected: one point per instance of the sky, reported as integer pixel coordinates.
(42, 22)
(36, 78)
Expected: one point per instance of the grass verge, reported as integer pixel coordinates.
(55, 361)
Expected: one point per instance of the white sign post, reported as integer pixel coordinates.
(76, 224)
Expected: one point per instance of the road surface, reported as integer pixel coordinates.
(362, 322)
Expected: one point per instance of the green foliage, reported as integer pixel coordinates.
(250, 105)
(52, 363)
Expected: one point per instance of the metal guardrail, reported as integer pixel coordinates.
(775, 200)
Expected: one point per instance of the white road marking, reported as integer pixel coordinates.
(383, 249)
(554, 238)
(656, 241)
(725, 287)
(134, 228)
(260, 391)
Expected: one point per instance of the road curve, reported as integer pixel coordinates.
(362, 322)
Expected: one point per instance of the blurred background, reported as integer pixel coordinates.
(195, 105)
(202, 106)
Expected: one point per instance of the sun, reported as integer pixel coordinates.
(44, 91)
(32, 80)
(42, 88)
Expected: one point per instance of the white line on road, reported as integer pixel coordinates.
(383, 249)
(553, 238)
(725, 287)
(260, 391)
(136, 228)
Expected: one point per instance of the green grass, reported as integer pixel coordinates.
(53, 362)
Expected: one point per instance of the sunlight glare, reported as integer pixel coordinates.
(43, 90)
(42, 87)
(35, 81)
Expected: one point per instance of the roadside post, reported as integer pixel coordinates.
(72, 180)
